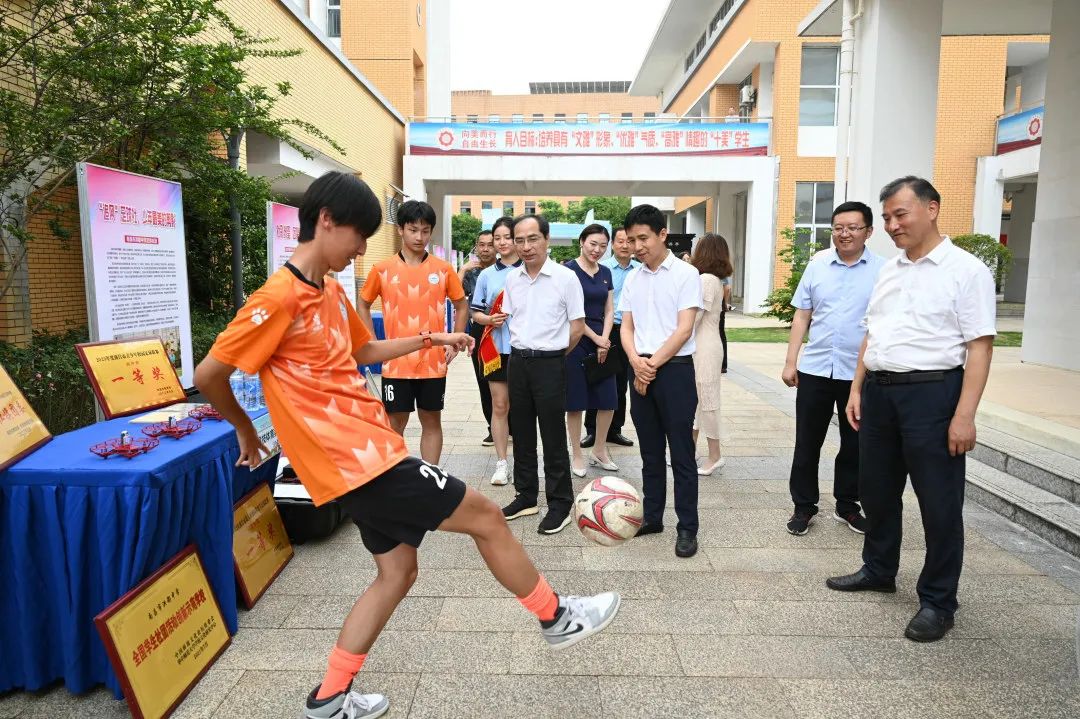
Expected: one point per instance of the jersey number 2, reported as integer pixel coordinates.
(433, 472)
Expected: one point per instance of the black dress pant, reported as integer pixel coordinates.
(476, 331)
(537, 388)
(622, 380)
(904, 431)
(664, 415)
(814, 402)
(723, 338)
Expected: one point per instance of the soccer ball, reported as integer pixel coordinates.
(608, 511)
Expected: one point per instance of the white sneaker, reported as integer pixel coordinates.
(346, 705)
(502, 473)
(580, 617)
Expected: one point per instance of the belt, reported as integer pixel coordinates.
(914, 377)
(536, 354)
(677, 359)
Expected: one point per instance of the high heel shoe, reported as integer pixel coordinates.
(706, 471)
(577, 472)
(609, 465)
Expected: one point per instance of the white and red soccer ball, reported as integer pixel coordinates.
(608, 511)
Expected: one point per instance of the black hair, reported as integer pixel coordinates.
(867, 213)
(594, 229)
(481, 233)
(416, 211)
(504, 221)
(646, 215)
(922, 189)
(347, 199)
(545, 228)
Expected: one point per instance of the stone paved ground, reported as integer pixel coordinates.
(744, 629)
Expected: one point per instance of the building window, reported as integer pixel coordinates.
(333, 18)
(650, 117)
(494, 118)
(517, 118)
(700, 44)
(485, 205)
(508, 208)
(818, 85)
(530, 207)
(689, 61)
(560, 118)
(583, 117)
(605, 117)
(472, 118)
(465, 208)
(627, 117)
(537, 117)
(813, 212)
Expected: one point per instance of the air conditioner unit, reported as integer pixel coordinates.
(746, 95)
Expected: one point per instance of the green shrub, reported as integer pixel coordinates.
(50, 375)
(797, 254)
(993, 254)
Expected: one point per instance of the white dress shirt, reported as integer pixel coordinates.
(541, 309)
(654, 300)
(922, 314)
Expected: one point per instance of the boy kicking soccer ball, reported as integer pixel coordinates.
(305, 339)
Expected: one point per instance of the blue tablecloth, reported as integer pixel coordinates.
(78, 531)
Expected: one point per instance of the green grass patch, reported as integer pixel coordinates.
(780, 334)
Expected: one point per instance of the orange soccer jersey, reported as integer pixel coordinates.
(301, 340)
(413, 300)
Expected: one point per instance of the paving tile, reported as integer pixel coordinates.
(956, 658)
(816, 619)
(680, 616)
(1042, 621)
(698, 697)
(59, 703)
(631, 585)
(207, 696)
(281, 694)
(761, 656)
(412, 614)
(443, 652)
(719, 585)
(12, 703)
(646, 655)
(279, 649)
(1023, 700)
(270, 611)
(450, 696)
(860, 698)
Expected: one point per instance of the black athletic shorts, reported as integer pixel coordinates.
(402, 504)
(403, 395)
(499, 375)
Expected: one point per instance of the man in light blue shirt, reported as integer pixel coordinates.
(831, 301)
(621, 263)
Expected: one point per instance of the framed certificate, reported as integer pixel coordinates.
(261, 548)
(130, 376)
(21, 430)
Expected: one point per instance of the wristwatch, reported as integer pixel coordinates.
(426, 335)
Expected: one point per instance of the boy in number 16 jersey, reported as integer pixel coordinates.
(303, 337)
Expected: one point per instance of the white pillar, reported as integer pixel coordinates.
(760, 237)
(894, 112)
(1023, 216)
(989, 192)
(1053, 302)
(437, 77)
(695, 219)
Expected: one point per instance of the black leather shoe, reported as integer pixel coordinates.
(928, 625)
(587, 441)
(860, 582)
(649, 528)
(620, 439)
(686, 544)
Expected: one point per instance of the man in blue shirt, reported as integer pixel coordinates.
(834, 292)
(620, 263)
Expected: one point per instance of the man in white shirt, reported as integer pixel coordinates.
(659, 303)
(921, 373)
(547, 310)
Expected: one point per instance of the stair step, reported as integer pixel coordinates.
(1048, 515)
(1044, 468)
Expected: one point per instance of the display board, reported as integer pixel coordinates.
(21, 430)
(130, 376)
(135, 261)
(261, 547)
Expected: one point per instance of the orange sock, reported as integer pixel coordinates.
(542, 601)
(341, 669)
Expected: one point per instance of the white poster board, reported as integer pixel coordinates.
(135, 261)
(282, 236)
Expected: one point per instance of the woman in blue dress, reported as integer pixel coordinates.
(601, 396)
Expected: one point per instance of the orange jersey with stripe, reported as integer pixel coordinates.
(301, 340)
(413, 300)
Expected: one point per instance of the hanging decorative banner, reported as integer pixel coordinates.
(261, 548)
(136, 261)
(21, 431)
(130, 376)
(282, 234)
(1023, 129)
(163, 635)
(537, 138)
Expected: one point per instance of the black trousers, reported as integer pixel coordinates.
(904, 431)
(665, 416)
(537, 388)
(476, 331)
(622, 380)
(723, 338)
(814, 402)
